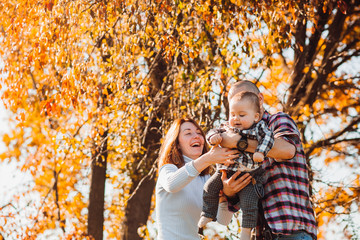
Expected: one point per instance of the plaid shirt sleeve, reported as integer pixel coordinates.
(211, 133)
(265, 138)
(214, 131)
(284, 125)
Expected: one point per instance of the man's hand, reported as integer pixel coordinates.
(231, 185)
(229, 139)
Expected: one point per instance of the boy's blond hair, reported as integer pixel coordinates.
(249, 96)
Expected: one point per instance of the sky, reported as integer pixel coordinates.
(10, 177)
(5, 169)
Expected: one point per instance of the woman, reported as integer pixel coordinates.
(184, 166)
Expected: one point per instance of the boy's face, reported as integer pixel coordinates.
(242, 114)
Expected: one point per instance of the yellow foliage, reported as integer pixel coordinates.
(79, 71)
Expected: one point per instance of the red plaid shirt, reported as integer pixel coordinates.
(287, 206)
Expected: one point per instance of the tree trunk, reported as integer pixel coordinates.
(97, 190)
(143, 178)
(138, 206)
(138, 209)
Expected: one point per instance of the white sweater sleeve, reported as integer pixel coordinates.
(173, 179)
(224, 215)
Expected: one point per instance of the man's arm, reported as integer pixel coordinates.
(281, 151)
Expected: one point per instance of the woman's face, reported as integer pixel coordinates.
(191, 141)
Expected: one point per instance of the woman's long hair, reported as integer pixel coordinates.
(170, 152)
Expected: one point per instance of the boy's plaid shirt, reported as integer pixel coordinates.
(258, 131)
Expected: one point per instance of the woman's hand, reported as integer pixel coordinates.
(231, 185)
(222, 155)
(216, 155)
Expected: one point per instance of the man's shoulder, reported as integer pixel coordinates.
(282, 124)
(279, 114)
(280, 117)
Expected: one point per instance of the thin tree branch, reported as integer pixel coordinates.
(329, 141)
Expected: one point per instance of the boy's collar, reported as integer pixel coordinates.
(266, 116)
(254, 124)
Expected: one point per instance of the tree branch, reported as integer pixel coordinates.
(345, 59)
(329, 141)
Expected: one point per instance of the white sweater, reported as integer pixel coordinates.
(179, 202)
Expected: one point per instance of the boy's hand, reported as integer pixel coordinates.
(258, 157)
(215, 140)
(229, 139)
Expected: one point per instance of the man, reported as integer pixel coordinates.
(286, 204)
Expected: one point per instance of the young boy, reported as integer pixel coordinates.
(245, 119)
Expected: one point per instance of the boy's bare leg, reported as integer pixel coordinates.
(245, 234)
(203, 221)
